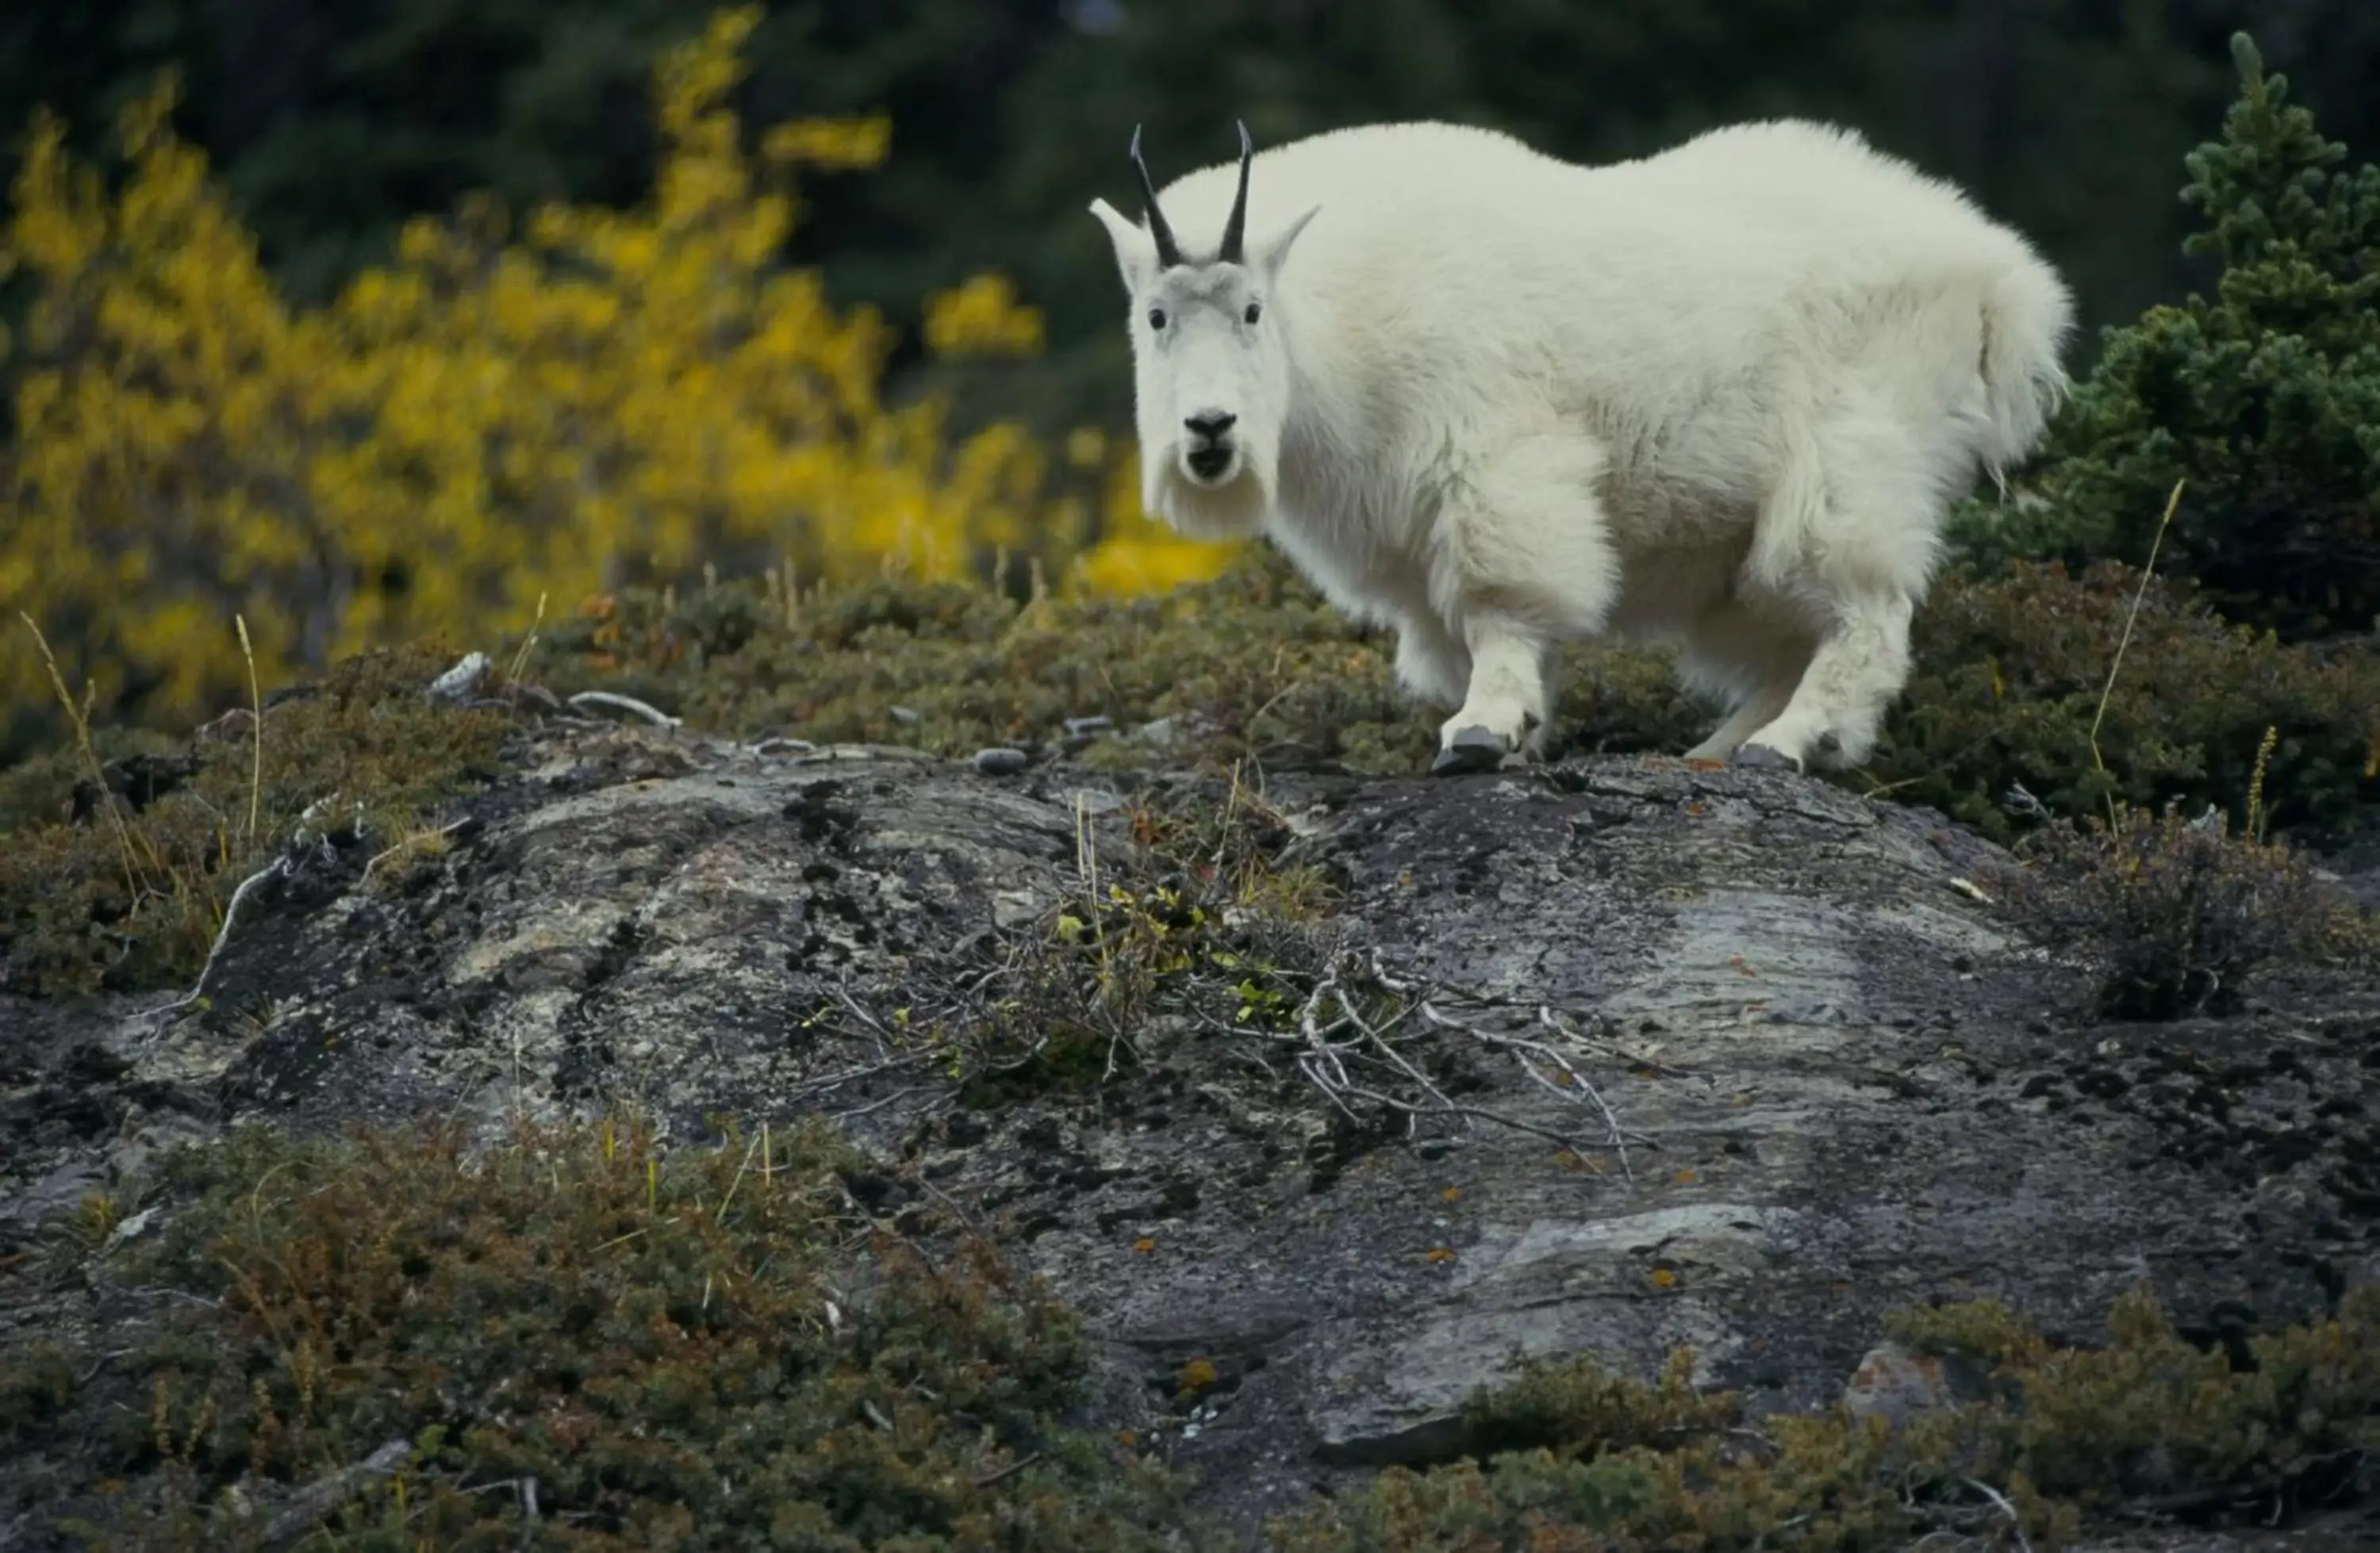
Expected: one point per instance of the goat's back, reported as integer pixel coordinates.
(1433, 235)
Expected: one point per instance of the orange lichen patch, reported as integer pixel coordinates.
(1898, 1381)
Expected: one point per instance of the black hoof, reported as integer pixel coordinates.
(1470, 751)
(1759, 756)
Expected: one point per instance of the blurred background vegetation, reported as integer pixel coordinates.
(332, 122)
(353, 323)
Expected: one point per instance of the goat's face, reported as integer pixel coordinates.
(1210, 368)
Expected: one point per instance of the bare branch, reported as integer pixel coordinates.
(618, 702)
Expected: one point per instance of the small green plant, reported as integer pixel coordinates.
(2026, 683)
(1576, 1405)
(1194, 917)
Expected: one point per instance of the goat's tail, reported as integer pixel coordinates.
(2028, 313)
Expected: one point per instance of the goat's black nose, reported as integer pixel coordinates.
(1210, 424)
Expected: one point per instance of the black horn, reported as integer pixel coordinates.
(1235, 230)
(1168, 252)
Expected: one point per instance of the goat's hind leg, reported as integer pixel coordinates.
(1730, 655)
(1847, 545)
(1756, 710)
(1860, 665)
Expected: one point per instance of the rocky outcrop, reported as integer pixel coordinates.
(1814, 1071)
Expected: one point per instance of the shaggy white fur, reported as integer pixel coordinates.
(1718, 398)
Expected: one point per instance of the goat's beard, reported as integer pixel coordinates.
(1233, 510)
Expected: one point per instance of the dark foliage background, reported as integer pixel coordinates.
(334, 119)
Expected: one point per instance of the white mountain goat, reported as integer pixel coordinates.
(1720, 398)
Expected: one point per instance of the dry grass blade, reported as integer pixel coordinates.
(2148, 574)
(78, 717)
(255, 708)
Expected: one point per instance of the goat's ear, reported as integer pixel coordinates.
(1273, 252)
(1135, 251)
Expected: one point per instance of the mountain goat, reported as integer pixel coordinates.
(1718, 399)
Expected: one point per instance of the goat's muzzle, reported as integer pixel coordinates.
(1210, 455)
(1212, 463)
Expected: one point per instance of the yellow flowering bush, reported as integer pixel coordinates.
(503, 413)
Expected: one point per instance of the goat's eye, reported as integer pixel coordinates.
(1255, 310)
(1157, 317)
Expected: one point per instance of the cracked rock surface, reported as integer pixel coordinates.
(1835, 1080)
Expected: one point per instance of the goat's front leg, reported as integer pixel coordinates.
(1431, 664)
(1530, 565)
(1505, 711)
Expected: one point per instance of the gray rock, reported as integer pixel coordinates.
(59, 1190)
(465, 680)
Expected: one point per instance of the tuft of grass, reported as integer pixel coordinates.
(256, 734)
(577, 1338)
(77, 715)
(1579, 1406)
(2131, 619)
(1576, 1460)
(130, 895)
(2176, 915)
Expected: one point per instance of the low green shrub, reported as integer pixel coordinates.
(2071, 1437)
(2008, 692)
(2009, 674)
(1254, 663)
(578, 1340)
